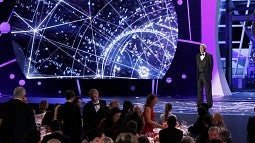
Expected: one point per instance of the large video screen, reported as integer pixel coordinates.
(95, 39)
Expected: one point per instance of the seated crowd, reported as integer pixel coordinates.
(102, 123)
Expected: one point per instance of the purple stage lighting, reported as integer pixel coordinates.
(39, 83)
(184, 76)
(22, 82)
(179, 2)
(12, 76)
(169, 80)
(132, 88)
(1, 1)
(5, 27)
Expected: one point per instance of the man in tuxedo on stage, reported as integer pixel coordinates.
(94, 111)
(204, 76)
(17, 117)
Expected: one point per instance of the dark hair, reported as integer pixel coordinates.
(171, 121)
(76, 99)
(127, 105)
(143, 139)
(93, 133)
(114, 110)
(168, 108)
(149, 99)
(69, 94)
(131, 127)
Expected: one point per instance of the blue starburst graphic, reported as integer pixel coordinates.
(101, 39)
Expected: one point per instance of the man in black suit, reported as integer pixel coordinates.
(204, 75)
(17, 117)
(170, 134)
(71, 117)
(251, 129)
(94, 111)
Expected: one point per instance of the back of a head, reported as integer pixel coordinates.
(143, 139)
(127, 105)
(19, 92)
(187, 139)
(137, 109)
(225, 135)
(126, 138)
(53, 141)
(69, 94)
(171, 121)
(92, 134)
(43, 105)
(108, 140)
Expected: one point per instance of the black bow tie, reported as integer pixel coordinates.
(96, 104)
(202, 54)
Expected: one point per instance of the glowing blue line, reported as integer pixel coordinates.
(75, 8)
(50, 13)
(30, 57)
(7, 63)
(187, 41)
(23, 20)
(190, 34)
(61, 24)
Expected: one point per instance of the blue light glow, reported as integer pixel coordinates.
(100, 39)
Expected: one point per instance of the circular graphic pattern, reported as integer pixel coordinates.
(95, 39)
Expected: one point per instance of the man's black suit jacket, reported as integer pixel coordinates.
(208, 66)
(17, 118)
(251, 130)
(170, 135)
(91, 118)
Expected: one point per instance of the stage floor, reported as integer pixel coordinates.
(239, 103)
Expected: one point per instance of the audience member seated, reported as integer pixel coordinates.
(131, 127)
(168, 112)
(217, 120)
(188, 139)
(213, 133)
(204, 121)
(143, 139)
(46, 115)
(110, 125)
(95, 136)
(126, 138)
(136, 116)
(127, 108)
(56, 133)
(108, 140)
(225, 136)
(113, 104)
(170, 134)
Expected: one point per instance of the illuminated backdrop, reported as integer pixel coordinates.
(95, 39)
